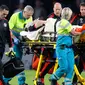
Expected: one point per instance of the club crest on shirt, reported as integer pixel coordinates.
(81, 20)
(5, 24)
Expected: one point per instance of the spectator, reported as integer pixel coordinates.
(19, 8)
(48, 5)
(40, 12)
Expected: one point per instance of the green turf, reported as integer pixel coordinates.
(30, 75)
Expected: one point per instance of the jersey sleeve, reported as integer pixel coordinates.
(8, 34)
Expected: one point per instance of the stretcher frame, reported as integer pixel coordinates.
(43, 43)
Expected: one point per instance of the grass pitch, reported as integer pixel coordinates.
(30, 75)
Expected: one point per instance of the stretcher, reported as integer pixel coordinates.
(44, 44)
(41, 45)
(49, 44)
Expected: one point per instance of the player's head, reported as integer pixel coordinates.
(4, 11)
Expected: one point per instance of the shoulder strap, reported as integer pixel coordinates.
(55, 32)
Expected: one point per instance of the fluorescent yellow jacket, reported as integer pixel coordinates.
(17, 22)
(63, 27)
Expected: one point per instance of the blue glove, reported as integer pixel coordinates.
(16, 41)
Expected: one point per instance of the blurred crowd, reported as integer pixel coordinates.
(42, 7)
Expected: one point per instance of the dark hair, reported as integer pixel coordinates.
(2, 7)
(82, 4)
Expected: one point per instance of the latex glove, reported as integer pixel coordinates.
(29, 24)
(16, 41)
(10, 49)
(9, 52)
